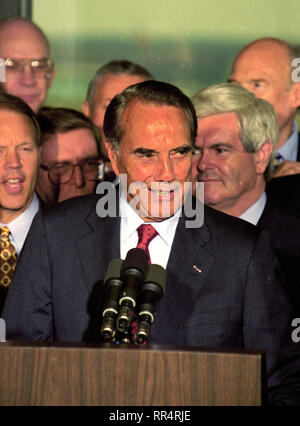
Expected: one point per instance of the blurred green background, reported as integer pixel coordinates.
(190, 43)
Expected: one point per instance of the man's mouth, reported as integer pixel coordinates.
(13, 185)
(159, 194)
(207, 178)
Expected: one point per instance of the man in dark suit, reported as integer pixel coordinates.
(236, 136)
(223, 284)
(265, 67)
(19, 165)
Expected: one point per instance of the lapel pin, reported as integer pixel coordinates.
(197, 269)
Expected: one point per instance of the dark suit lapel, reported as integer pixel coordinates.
(270, 221)
(298, 154)
(189, 264)
(98, 244)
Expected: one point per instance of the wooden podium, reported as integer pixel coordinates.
(127, 375)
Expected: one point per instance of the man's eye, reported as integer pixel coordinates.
(220, 150)
(181, 153)
(258, 85)
(145, 154)
(59, 166)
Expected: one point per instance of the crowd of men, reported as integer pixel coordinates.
(232, 282)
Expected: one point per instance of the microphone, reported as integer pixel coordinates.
(113, 285)
(132, 274)
(151, 291)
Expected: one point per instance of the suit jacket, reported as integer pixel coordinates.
(284, 232)
(236, 300)
(285, 192)
(4, 290)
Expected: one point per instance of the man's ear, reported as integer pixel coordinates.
(263, 157)
(85, 108)
(112, 156)
(295, 95)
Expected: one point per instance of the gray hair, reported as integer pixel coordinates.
(115, 67)
(256, 117)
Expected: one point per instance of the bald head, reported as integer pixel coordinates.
(24, 41)
(264, 68)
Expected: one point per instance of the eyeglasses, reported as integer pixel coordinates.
(39, 67)
(62, 172)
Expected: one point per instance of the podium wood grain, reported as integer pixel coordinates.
(126, 375)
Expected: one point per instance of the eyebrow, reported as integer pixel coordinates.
(255, 80)
(183, 148)
(143, 150)
(220, 145)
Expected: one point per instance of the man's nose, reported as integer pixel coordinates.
(77, 177)
(27, 75)
(165, 171)
(12, 159)
(202, 161)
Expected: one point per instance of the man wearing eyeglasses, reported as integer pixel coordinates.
(70, 155)
(25, 51)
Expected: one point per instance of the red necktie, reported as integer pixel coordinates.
(146, 234)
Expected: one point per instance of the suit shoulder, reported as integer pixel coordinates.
(74, 207)
(220, 222)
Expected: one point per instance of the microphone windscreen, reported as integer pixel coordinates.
(114, 270)
(156, 274)
(136, 258)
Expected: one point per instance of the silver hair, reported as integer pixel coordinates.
(256, 117)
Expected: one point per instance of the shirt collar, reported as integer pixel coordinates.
(253, 213)
(289, 149)
(20, 225)
(131, 221)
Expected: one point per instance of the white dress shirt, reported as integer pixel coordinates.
(289, 150)
(254, 212)
(19, 226)
(160, 246)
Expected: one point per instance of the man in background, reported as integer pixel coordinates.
(70, 155)
(29, 68)
(237, 134)
(264, 67)
(19, 157)
(108, 81)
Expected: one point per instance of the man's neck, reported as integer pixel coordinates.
(285, 133)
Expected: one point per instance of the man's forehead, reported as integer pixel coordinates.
(140, 112)
(270, 55)
(20, 39)
(219, 122)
